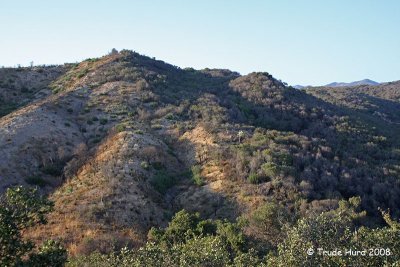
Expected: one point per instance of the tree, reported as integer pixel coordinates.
(21, 208)
(114, 51)
(187, 241)
(269, 221)
(335, 232)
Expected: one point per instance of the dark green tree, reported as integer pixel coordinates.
(21, 208)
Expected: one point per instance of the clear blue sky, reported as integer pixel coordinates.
(298, 41)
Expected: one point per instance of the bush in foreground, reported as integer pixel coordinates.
(190, 241)
(21, 208)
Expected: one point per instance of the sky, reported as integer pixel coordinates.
(307, 42)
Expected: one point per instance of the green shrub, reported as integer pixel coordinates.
(120, 128)
(285, 159)
(255, 178)
(36, 180)
(196, 175)
(82, 73)
(69, 190)
(158, 165)
(96, 140)
(103, 121)
(145, 165)
(25, 90)
(51, 253)
(54, 169)
(161, 181)
(194, 242)
(21, 208)
(270, 169)
(269, 219)
(170, 116)
(6, 108)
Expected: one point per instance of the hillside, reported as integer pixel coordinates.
(20, 86)
(380, 101)
(122, 142)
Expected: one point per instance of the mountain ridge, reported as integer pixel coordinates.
(355, 83)
(340, 84)
(122, 141)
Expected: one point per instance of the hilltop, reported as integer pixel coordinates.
(122, 142)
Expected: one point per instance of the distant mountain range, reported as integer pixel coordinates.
(342, 84)
(362, 82)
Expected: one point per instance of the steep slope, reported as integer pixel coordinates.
(20, 86)
(125, 141)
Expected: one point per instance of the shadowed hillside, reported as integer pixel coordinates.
(124, 141)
